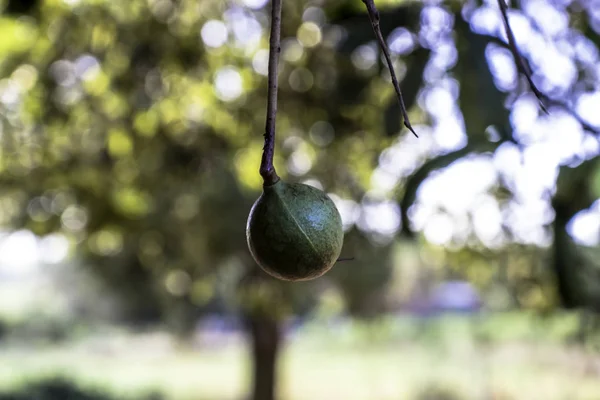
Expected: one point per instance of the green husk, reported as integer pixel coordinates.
(294, 231)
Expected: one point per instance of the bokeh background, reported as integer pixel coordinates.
(131, 135)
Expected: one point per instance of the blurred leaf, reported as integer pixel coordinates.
(16, 36)
(132, 203)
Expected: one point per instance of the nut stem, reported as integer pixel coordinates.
(267, 170)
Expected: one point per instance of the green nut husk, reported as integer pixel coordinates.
(294, 231)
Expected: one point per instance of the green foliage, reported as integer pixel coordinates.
(120, 139)
(122, 143)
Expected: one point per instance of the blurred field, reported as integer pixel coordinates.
(511, 356)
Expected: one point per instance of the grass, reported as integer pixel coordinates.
(391, 360)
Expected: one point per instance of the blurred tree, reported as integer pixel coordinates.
(577, 271)
(134, 128)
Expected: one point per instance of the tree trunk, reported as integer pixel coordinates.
(265, 336)
(563, 260)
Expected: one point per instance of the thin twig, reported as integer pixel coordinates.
(374, 17)
(267, 170)
(521, 65)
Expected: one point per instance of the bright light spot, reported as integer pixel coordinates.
(106, 242)
(74, 218)
(546, 17)
(507, 159)
(539, 171)
(487, 221)
(443, 56)
(380, 217)
(314, 183)
(382, 181)
(439, 102)
(520, 26)
(404, 156)
(588, 107)
(349, 210)
(526, 219)
(214, 33)
(565, 136)
(439, 229)
(292, 51)
(178, 282)
(63, 73)
(502, 67)
(524, 113)
(255, 4)
(455, 295)
(558, 137)
(246, 29)
(364, 56)
(450, 189)
(485, 20)
(558, 70)
(590, 145)
(299, 163)
(25, 76)
(309, 34)
(10, 93)
(435, 24)
(53, 249)
(228, 84)
(260, 62)
(585, 228)
(87, 67)
(19, 249)
(401, 41)
(449, 134)
(585, 50)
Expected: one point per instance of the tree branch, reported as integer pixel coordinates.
(374, 17)
(267, 170)
(521, 66)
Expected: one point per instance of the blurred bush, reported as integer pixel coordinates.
(38, 327)
(434, 392)
(62, 389)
